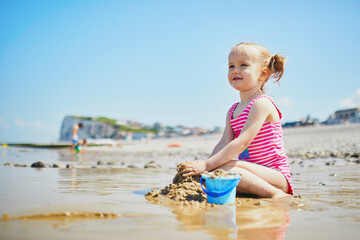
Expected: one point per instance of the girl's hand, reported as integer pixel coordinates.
(194, 168)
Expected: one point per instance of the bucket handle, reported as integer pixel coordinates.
(218, 193)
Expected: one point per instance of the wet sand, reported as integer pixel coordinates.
(113, 182)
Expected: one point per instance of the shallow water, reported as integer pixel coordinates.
(329, 210)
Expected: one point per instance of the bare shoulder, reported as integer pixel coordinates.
(265, 107)
(262, 104)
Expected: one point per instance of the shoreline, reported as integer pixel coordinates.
(114, 180)
(335, 143)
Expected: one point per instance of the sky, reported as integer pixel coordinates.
(166, 61)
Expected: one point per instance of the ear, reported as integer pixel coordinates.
(264, 74)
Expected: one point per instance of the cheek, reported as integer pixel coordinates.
(229, 77)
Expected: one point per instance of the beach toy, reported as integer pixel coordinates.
(4, 145)
(175, 145)
(78, 148)
(220, 190)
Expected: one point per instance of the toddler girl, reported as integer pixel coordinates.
(253, 132)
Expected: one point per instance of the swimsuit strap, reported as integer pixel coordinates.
(232, 109)
(264, 96)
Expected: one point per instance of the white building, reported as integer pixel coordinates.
(351, 115)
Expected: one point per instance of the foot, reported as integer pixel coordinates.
(280, 194)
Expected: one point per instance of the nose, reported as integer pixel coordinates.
(234, 71)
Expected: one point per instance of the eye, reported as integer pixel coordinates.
(244, 65)
(231, 66)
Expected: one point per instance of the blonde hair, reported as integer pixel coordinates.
(275, 63)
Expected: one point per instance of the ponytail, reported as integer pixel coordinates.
(276, 66)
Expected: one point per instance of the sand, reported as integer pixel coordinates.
(113, 182)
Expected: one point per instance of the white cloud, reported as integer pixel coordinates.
(19, 122)
(358, 92)
(352, 101)
(285, 102)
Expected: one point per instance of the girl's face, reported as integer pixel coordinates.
(244, 73)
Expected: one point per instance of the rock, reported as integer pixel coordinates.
(132, 166)
(100, 163)
(259, 203)
(20, 165)
(355, 155)
(70, 166)
(152, 164)
(58, 165)
(333, 175)
(321, 183)
(40, 164)
(9, 164)
(330, 163)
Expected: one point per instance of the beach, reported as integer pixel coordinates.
(101, 194)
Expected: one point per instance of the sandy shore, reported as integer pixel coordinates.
(113, 180)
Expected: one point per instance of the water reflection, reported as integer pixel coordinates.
(4, 152)
(248, 221)
(109, 181)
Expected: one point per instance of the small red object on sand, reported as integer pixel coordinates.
(175, 145)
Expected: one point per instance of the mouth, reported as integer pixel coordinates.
(236, 78)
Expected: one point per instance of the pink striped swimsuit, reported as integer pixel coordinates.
(267, 148)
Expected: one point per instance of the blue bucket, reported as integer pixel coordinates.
(220, 190)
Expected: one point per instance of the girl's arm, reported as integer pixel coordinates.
(228, 136)
(259, 112)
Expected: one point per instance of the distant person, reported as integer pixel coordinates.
(75, 134)
(253, 132)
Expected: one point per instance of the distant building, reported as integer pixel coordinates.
(308, 121)
(101, 128)
(351, 115)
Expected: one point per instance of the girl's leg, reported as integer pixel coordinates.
(257, 179)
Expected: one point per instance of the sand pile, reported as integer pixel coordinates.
(184, 188)
(218, 173)
(187, 191)
(181, 189)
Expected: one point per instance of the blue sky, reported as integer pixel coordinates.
(166, 61)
